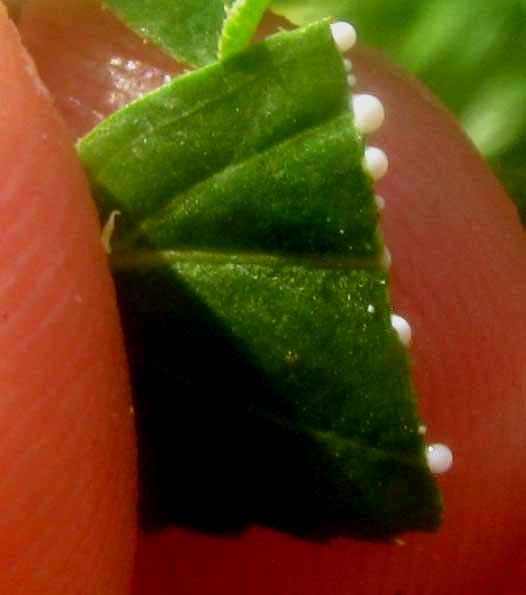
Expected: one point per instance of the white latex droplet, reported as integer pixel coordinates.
(369, 113)
(380, 202)
(344, 35)
(439, 458)
(351, 80)
(387, 259)
(375, 162)
(401, 326)
(347, 64)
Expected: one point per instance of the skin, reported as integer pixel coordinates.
(68, 510)
(68, 493)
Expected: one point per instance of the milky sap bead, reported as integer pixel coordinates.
(387, 259)
(351, 80)
(380, 202)
(439, 458)
(369, 113)
(402, 327)
(375, 162)
(344, 35)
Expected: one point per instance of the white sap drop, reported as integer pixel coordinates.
(439, 458)
(380, 202)
(369, 113)
(344, 35)
(387, 259)
(402, 327)
(375, 162)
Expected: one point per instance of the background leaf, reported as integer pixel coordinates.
(186, 29)
(193, 33)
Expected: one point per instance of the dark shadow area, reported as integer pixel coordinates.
(217, 452)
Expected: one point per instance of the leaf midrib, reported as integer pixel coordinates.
(142, 259)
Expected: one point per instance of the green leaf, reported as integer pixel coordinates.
(270, 385)
(186, 29)
(240, 25)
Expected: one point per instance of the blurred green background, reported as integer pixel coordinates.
(471, 53)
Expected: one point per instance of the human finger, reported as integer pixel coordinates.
(67, 450)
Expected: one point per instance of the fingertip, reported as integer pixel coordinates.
(67, 447)
(91, 62)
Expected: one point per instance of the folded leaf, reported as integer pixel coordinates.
(270, 385)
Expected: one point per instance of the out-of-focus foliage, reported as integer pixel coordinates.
(471, 53)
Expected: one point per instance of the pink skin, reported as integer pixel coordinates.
(68, 493)
(67, 451)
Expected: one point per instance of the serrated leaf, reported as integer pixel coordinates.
(194, 33)
(270, 384)
(240, 25)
